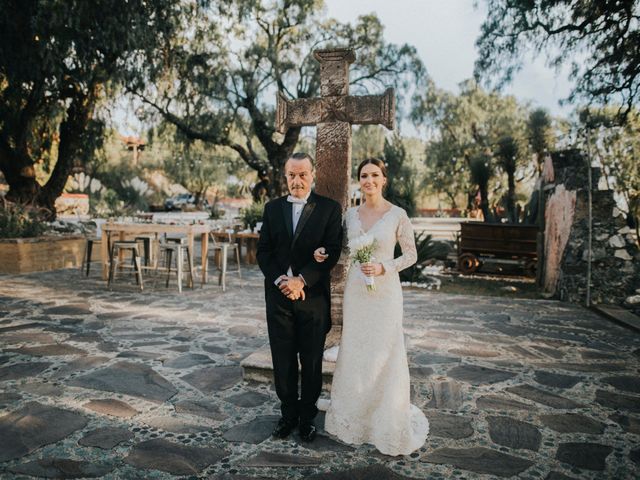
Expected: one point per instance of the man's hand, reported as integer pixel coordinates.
(320, 255)
(296, 295)
(292, 288)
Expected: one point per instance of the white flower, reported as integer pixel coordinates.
(357, 243)
(361, 250)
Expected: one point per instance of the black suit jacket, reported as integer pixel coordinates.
(320, 225)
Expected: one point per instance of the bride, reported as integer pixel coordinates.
(370, 400)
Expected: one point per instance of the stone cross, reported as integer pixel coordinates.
(333, 113)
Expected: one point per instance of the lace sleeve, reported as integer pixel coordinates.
(407, 242)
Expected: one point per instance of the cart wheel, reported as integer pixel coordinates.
(468, 263)
(530, 268)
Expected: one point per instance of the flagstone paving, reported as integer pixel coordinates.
(127, 384)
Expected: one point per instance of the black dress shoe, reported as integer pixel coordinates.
(284, 428)
(307, 432)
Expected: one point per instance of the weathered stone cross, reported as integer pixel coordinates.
(333, 113)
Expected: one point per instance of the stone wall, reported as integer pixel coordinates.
(615, 261)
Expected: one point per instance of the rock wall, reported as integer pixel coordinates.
(615, 257)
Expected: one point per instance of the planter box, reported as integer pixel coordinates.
(24, 255)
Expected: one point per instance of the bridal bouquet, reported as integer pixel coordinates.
(361, 250)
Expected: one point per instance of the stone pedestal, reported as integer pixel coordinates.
(258, 368)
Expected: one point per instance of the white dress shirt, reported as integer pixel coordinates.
(296, 212)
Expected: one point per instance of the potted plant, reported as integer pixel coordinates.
(252, 215)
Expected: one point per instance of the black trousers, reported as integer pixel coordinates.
(297, 329)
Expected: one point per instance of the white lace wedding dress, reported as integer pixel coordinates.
(370, 396)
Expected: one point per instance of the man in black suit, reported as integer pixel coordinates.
(297, 291)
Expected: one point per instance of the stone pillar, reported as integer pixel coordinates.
(333, 159)
(615, 257)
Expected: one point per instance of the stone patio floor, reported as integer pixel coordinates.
(125, 384)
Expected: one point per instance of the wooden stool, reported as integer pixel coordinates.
(179, 247)
(116, 248)
(222, 248)
(91, 239)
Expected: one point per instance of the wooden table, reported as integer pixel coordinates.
(133, 229)
(248, 239)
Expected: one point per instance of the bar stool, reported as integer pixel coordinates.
(223, 249)
(86, 256)
(114, 258)
(179, 247)
(148, 241)
(90, 240)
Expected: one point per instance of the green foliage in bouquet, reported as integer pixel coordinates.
(364, 254)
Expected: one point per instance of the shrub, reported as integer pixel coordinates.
(20, 221)
(427, 249)
(252, 214)
(216, 212)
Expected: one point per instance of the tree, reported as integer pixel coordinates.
(467, 126)
(191, 163)
(540, 134)
(599, 38)
(55, 70)
(445, 171)
(541, 140)
(481, 172)
(216, 80)
(367, 142)
(506, 153)
(401, 185)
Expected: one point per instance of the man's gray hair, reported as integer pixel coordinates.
(302, 156)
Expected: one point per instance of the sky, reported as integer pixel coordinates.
(444, 33)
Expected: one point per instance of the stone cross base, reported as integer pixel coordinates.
(333, 337)
(258, 367)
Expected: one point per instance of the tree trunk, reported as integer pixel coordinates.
(277, 184)
(72, 133)
(471, 195)
(278, 156)
(277, 179)
(19, 170)
(20, 175)
(484, 203)
(511, 198)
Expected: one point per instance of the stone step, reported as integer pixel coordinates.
(619, 315)
(258, 367)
